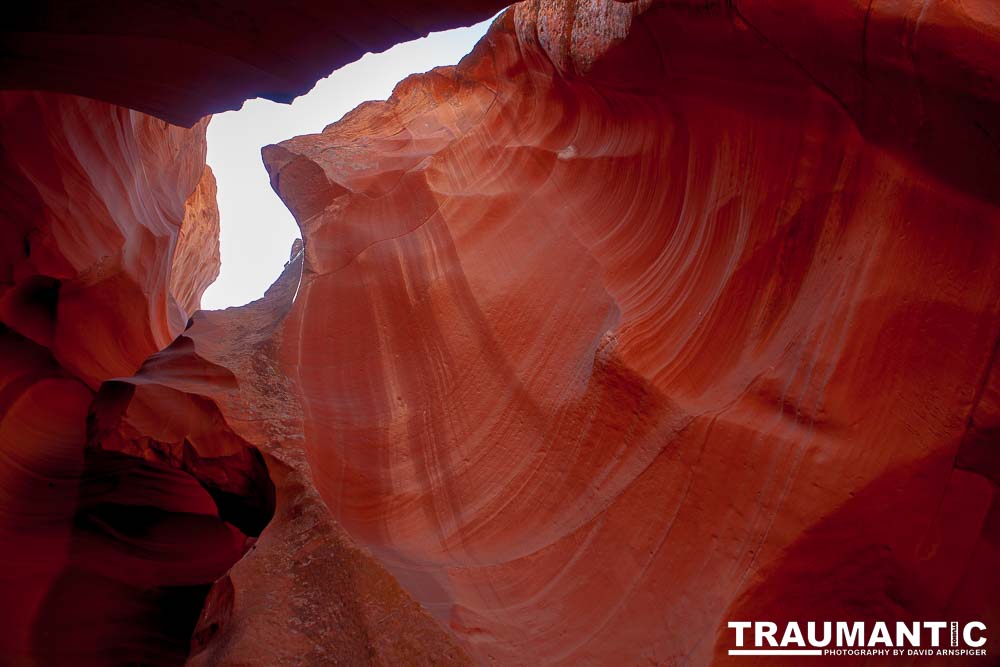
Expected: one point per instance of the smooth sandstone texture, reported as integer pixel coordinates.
(646, 317)
(125, 499)
(127, 494)
(97, 198)
(192, 271)
(104, 558)
(305, 594)
(649, 317)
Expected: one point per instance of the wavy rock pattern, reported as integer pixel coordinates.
(306, 594)
(645, 317)
(104, 558)
(97, 197)
(126, 492)
(192, 271)
(128, 495)
(648, 316)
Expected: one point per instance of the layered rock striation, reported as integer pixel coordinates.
(643, 318)
(137, 460)
(105, 558)
(648, 317)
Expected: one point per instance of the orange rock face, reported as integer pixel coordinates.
(128, 495)
(126, 492)
(96, 198)
(644, 318)
(196, 256)
(104, 558)
(305, 593)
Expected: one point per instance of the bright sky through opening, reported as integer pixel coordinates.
(257, 229)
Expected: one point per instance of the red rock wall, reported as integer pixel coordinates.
(96, 195)
(127, 492)
(644, 318)
(305, 594)
(197, 262)
(104, 558)
(637, 322)
(111, 237)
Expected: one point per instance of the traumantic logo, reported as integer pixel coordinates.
(845, 638)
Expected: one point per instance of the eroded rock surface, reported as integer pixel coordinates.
(96, 197)
(104, 558)
(137, 462)
(645, 317)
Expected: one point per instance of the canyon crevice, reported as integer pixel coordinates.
(642, 318)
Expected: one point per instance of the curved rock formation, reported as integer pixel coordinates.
(105, 558)
(305, 594)
(111, 236)
(196, 256)
(127, 492)
(636, 321)
(645, 317)
(96, 196)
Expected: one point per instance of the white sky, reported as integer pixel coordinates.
(257, 229)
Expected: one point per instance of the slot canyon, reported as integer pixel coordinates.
(645, 317)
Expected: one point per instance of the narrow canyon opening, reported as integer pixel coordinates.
(257, 229)
(151, 505)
